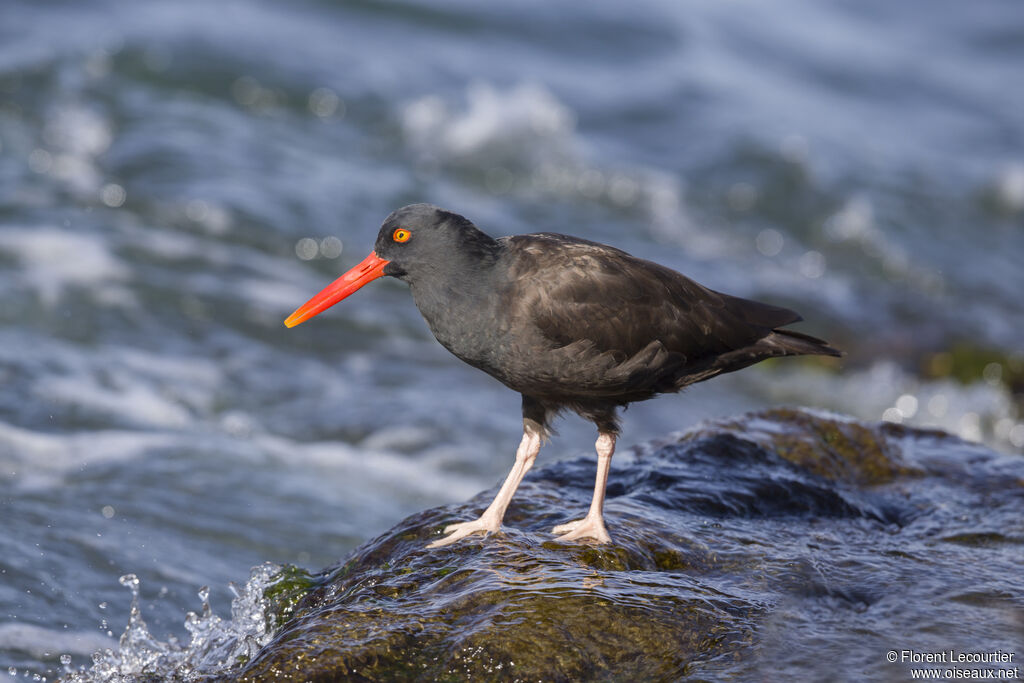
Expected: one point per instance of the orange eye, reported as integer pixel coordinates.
(401, 235)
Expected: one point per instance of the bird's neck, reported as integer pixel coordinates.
(458, 277)
(458, 298)
(454, 289)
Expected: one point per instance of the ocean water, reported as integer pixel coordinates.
(176, 177)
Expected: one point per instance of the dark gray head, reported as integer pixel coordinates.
(422, 239)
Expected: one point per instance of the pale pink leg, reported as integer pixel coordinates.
(592, 526)
(490, 520)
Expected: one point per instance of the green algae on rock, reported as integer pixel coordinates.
(786, 541)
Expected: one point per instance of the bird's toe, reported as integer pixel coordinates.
(462, 529)
(589, 529)
(567, 527)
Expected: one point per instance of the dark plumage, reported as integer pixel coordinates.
(569, 324)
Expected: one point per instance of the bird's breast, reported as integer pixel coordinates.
(464, 321)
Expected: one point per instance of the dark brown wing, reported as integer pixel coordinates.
(625, 322)
(621, 303)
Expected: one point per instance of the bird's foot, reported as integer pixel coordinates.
(459, 531)
(587, 528)
(567, 527)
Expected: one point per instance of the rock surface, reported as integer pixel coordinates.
(782, 545)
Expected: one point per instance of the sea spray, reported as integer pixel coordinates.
(216, 645)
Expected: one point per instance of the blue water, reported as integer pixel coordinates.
(176, 177)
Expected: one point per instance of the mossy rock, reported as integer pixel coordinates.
(786, 542)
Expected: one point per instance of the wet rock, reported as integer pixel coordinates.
(782, 545)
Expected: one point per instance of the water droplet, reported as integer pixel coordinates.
(812, 265)
(108, 511)
(323, 102)
(1017, 435)
(938, 404)
(306, 248)
(113, 195)
(970, 427)
(907, 405)
(769, 242)
(330, 247)
(992, 373)
(1003, 427)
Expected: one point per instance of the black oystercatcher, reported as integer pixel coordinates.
(569, 324)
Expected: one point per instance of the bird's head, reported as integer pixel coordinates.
(414, 241)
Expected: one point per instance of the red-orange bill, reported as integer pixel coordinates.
(371, 268)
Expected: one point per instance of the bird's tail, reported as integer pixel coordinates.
(777, 343)
(789, 343)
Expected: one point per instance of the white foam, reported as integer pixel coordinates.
(384, 472)
(122, 384)
(126, 384)
(76, 136)
(54, 260)
(269, 283)
(526, 119)
(188, 370)
(78, 130)
(400, 437)
(35, 460)
(44, 643)
(124, 398)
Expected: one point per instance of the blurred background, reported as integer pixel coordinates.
(177, 176)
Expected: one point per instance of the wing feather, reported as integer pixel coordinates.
(590, 322)
(586, 291)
